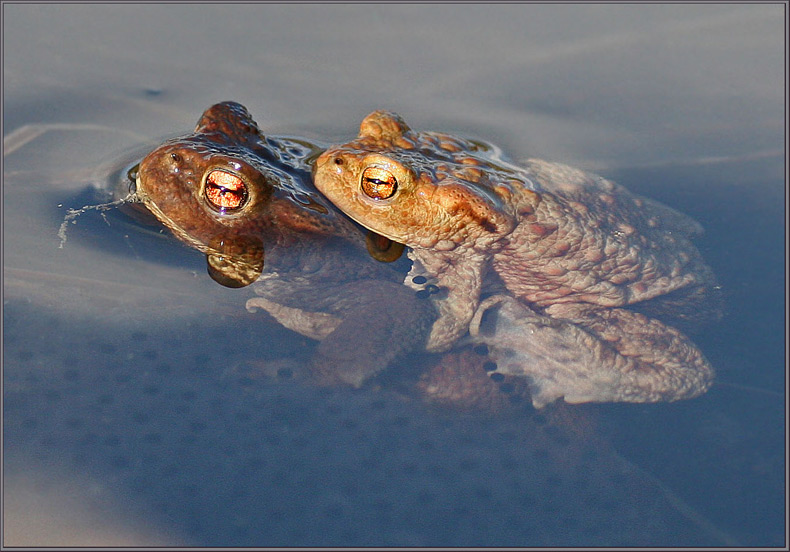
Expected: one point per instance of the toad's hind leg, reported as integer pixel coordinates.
(586, 354)
(659, 363)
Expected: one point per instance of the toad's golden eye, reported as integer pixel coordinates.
(225, 191)
(378, 183)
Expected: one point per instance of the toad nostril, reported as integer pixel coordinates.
(338, 160)
(175, 157)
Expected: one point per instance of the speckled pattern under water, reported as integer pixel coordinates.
(158, 424)
(123, 406)
(128, 416)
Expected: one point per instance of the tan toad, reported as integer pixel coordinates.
(555, 253)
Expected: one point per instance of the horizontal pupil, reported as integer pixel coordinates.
(223, 190)
(378, 183)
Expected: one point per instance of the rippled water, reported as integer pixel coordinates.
(124, 419)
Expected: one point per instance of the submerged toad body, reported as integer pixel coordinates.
(554, 253)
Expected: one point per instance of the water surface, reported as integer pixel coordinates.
(122, 411)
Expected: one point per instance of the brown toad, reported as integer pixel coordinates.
(247, 201)
(554, 252)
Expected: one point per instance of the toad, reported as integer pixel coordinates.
(547, 263)
(246, 200)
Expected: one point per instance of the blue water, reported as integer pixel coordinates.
(132, 411)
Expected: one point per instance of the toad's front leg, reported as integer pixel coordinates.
(453, 286)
